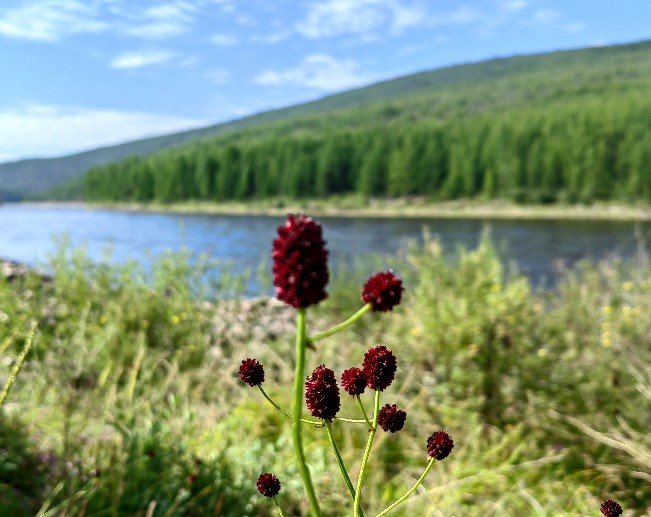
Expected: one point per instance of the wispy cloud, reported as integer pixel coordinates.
(224, 40)
(318, 72)
(574, 27)
(50, 20)
(514, 5)
(140, 59)
(162, 20)
(365, 18)
(59, 130)
(546, 15)
(53, 20)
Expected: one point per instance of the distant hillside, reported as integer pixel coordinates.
(489, 88)
(562, 127)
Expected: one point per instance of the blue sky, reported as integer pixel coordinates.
(77, 74)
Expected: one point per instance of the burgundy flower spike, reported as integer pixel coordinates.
(268, 485)
(383, 291)
(300, 262)
(322, 393)
(354, 381)
(439, 445)
(390, 418)
(611, 508)
(379, 367)
(252, 372)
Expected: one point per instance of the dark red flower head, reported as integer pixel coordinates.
(252, 372)
(322, 393)
(383, 291)
(300, 262)
(379, 367)
(610, 508)
(354, 381)
(390, 418)
(268, 485)
(439, 445)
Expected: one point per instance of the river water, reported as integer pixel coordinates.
(28, 234)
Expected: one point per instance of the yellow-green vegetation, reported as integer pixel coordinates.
(129, 402)
(414, 207)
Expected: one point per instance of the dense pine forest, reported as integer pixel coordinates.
(561, 127)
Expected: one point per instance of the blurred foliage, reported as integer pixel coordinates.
(130, 404)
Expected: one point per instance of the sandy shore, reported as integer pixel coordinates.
(407, 208)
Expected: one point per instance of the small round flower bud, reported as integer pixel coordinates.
(379, 367)
(390, 418)
(300, 262)
(383, 291)
(252, 372)
(268, 485)
(322, 393)
(611, 508)
(439, 445)
(354, 381)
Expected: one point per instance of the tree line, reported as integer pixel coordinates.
(583, 149)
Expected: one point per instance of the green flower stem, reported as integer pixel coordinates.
(367, 453)
(297, 410)
(280, 510)
(341, 326)
(351, 420)
(273, 403)
(340, 460)
(411, 490)
(361, 406)
(19, 364)
(316, 423)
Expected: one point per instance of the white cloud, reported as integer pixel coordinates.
(364, 18)
(224, 40)
(50, 20)
(464, 16)
(546, 15)
(53, 20)
(47, 130)
(162, 20)
(574, 27)
(140, 59)
(514, 5)
(319, 72)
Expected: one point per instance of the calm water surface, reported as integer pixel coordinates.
(27, 233)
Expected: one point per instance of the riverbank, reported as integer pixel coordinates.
(414, 208)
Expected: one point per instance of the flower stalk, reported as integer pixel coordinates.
(341, 326)
(340, 461)
(361, 406)
(367, 454)
(408, 493)
(297, 411)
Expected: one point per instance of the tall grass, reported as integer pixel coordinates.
(129, 404)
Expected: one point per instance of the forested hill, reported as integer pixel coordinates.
(564, 126)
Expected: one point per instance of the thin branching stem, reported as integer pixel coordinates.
(274, 404)
(19, 364)
(411, 490)
(367, 454)
(361, 406)
(280, 510)
(297, 410)
(341, 326)
(340, 461)
(315, 423)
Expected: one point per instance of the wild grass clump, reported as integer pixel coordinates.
(129, 400)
